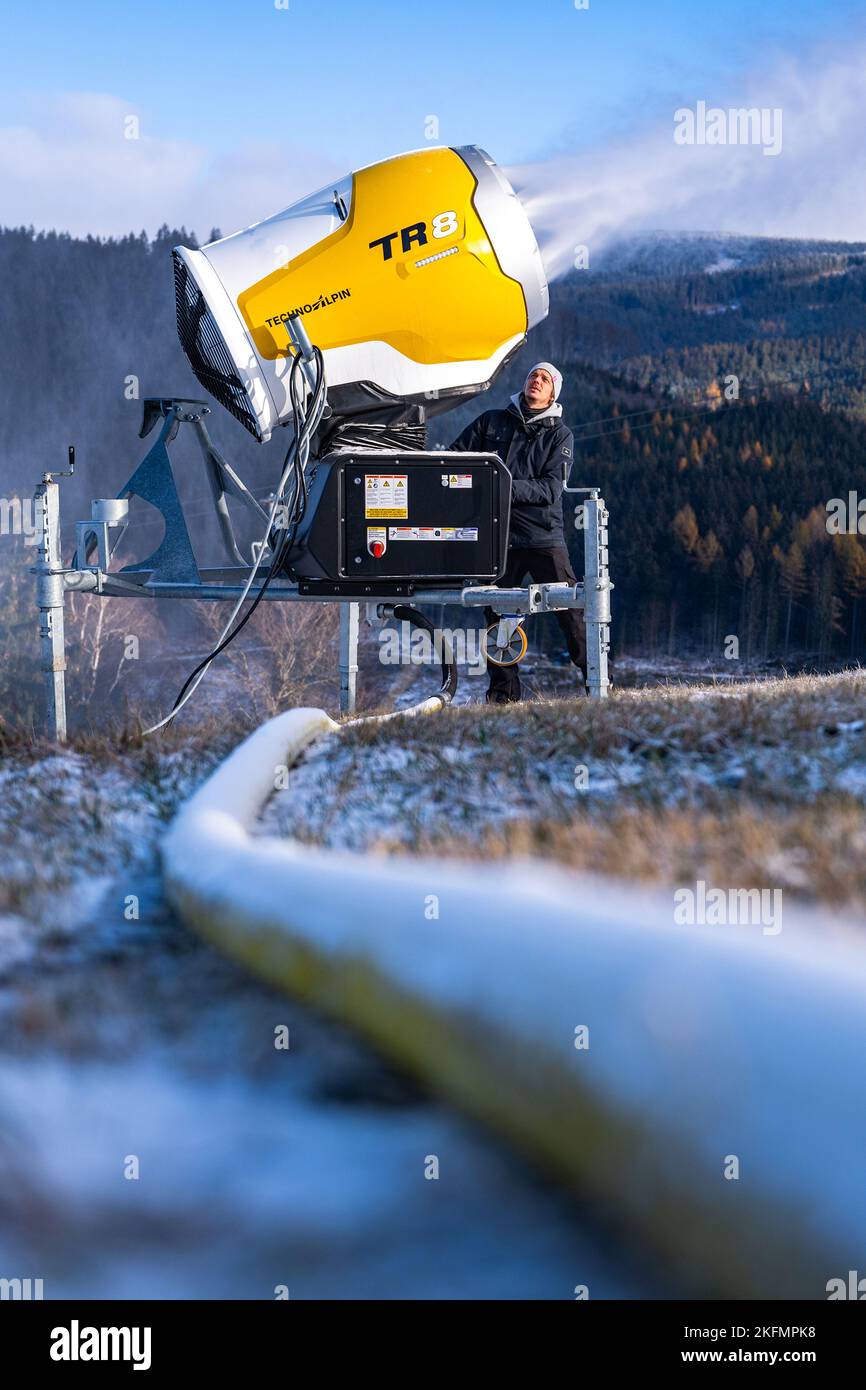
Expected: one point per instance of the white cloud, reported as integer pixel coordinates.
(71, 167)
(815, 187)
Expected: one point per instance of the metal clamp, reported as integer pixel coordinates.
(105, 513)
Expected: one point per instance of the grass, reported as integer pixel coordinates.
(116, 739)
(757, 785)
(72, 815)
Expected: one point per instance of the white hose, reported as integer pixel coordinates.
(717, 1106)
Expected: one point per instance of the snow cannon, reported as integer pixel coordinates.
(384, 298)
(417, 278)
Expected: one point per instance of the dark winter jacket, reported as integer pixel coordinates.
(538, 454)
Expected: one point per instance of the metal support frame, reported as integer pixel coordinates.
(50, 595)
(596, 587)
(349, 624)
(596, 590)
(172, 571)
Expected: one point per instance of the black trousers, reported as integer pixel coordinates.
(543, 566)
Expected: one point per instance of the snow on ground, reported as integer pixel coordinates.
(122, 1036)
(70, 821)
(463, 774)
(258, 1167)
(310, 1175)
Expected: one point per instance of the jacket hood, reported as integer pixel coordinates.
(553, 411)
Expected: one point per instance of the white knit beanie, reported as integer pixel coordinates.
(554, 374)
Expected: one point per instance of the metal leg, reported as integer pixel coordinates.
(597, 587)
(349, 615)
(50, 595)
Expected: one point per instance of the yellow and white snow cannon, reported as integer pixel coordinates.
(418, 276)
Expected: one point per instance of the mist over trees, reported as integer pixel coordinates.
(88, 332)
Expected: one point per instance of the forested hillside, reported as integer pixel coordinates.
(786, 320)
(719, 526)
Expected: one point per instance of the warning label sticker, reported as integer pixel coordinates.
(386, 495)
(456, 479)
(433, 533)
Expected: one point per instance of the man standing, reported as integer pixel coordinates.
(536, 448)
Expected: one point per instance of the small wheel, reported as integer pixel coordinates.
(505, 656)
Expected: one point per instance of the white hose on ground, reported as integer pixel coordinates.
(432, 705)
(703, 1084)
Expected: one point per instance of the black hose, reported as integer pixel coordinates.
(448, 688)
(298, 508)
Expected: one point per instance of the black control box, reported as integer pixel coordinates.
(372, 516)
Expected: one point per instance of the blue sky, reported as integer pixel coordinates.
(249, 97)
